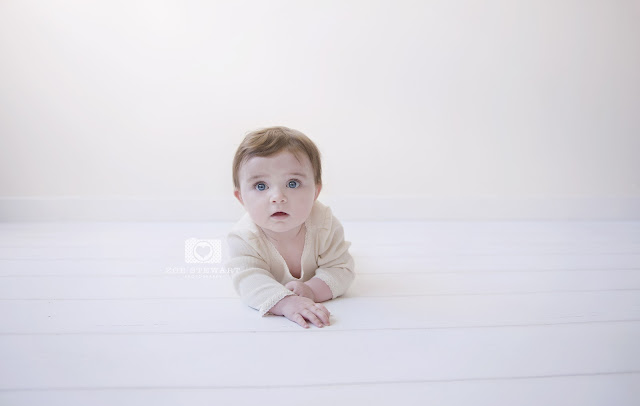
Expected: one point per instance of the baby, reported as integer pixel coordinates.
(288, 252)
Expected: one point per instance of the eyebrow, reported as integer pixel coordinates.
(298, 174)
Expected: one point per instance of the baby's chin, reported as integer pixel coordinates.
(281, 224)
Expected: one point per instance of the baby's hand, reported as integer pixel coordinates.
(301, 309)
(301, 289)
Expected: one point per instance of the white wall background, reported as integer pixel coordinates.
(466, 109)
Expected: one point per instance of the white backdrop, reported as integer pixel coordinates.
(132, 110)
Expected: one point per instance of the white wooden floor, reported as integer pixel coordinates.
(443, 313)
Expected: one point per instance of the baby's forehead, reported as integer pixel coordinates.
(282, 161)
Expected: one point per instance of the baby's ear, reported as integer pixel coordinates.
(238, 196)
(318, 189)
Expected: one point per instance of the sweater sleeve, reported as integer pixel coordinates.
(335, 264)
(251, 277)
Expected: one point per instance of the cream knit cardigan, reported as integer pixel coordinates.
(259, 272)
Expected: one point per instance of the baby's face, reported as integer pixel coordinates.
(278, 191)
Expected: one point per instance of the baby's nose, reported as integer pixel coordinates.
(278, 197)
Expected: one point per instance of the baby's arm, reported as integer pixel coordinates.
(251, 279)
(314, 289)
(258, 288)
(335, 264)
(335, 271)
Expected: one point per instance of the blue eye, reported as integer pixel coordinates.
(293, 184)
(260, 186)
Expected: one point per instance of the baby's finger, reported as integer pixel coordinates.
(322, 315)
(300, 320)
(323, 309)
(309, 315)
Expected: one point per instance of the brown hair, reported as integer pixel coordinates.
(269, 141)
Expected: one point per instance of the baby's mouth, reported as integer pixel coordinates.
(279, 214)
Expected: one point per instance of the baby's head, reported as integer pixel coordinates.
(277, 170)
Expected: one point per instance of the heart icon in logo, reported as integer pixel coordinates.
(202, 251)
